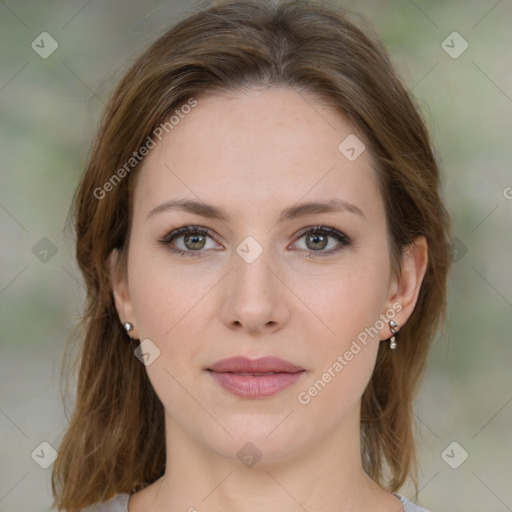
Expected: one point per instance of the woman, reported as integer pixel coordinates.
(265, 252)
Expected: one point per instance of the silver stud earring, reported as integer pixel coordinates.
(394, 328)
(128, 327)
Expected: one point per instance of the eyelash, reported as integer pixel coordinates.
(344, 240)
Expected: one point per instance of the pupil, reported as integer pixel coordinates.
(315, 239)
(194, 239)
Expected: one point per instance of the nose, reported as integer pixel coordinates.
(254, 297)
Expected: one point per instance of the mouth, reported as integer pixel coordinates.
(256, 374)
(257, 378)
(241, 364)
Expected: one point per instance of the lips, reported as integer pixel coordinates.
(257, 378)
(257, 366)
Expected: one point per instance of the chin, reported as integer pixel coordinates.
(268, 440)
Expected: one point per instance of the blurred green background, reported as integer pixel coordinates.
(49, 110)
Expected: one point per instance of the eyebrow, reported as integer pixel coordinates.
(300, 210)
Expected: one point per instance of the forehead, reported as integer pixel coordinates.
(259, 149)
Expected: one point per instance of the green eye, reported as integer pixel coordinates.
(197, 242)
(194, 240)
(317, 239)
(318, 242)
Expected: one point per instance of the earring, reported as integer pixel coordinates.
(394, 328)
(128, 327)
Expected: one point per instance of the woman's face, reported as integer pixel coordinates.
(260, 282)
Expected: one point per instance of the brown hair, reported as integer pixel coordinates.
(115, 440)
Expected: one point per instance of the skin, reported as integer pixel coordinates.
(254, 153)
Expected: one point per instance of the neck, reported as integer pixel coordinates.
(327, 475)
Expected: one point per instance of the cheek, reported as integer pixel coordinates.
(349, 308)
(166, 303)
(344, 300)
(164, 295)
(174, 309)
(347, 305)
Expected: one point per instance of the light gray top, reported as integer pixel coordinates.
(119, 503)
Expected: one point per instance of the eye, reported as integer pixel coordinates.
(193, 240)
(188, 240)
(317, 239)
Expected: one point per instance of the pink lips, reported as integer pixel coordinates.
(257, 378)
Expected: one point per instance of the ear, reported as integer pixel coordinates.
(120, 290)
(405, 287)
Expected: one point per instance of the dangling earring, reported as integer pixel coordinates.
(128, 327)
(394, 328)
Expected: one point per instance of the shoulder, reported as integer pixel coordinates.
(119, 503)
(409, 506)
